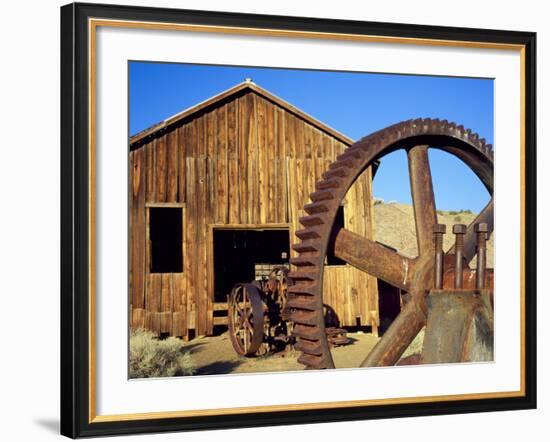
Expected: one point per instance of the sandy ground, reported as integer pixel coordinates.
(215, 355)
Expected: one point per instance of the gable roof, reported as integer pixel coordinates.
(239, 89)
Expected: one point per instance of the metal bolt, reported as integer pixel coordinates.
(439, 231)
(481, 230)
(459, 230)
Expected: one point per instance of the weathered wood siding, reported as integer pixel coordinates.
(246, 161)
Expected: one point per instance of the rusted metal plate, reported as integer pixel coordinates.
(459, 327)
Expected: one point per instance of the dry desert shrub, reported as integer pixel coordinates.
(151, 357)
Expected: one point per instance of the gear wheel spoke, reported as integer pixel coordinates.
(305, 295)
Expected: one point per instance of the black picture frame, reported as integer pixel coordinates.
(75, 220)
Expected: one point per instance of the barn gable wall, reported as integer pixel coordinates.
(247, 161)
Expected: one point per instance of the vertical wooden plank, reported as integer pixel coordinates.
(147, 251)
(308, 140)
(150, 174)
(201, 127)
(326, 146)
(138, 228)
(283, 181)
(201, 295)
(210, 213)
(292, 204)
(222, 213)
(211, 154)
(172, 166)
(262, 155)
(155, 298)
(234, 183)
(270, 168)
(290, 135)
(166, 292)
(166, 302)
(181, 147)
(191, 237)
(191, 139)
(300, 133)
(317, 143)
(244, 117)
(275, 169)
(160, 163)
(179, 305)
(253, 206)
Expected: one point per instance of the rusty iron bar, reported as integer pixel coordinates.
(469, 279)
(481, 230)
(425, 215)
(439, 231)
(459, 230)
(374, 258)
(397, 337)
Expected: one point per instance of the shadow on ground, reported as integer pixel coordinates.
(222, 367)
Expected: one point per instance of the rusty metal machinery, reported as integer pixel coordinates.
(259, 321)
(436, 281)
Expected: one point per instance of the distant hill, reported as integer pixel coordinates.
(394, 226)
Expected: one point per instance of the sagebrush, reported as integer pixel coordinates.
(151, 357)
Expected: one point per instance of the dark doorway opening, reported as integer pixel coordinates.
(165, 233)
(332, 260)
(389, 304)
(237, 254)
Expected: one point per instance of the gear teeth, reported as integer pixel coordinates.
(306, 332)
(309, 347)
(343, 162)
(314, 208)
(303, 303)
(311, 220)
(322, 195)
(301, 261)
(332, 183)
(305, 234)
(307, 246)
(354, 154)
(303, 288)
(304, 317)
(302, 276)
(304, 295)
(340, 172)
(312, 361)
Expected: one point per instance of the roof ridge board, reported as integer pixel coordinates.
(139, 137)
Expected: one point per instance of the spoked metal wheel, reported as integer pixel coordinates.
(246, 319)
(413, 275)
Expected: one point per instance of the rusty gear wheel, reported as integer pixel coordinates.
(414, 275)
(246, 319)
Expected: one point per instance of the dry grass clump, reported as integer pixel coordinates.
(151, 357)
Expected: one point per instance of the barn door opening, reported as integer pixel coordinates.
(242, 255)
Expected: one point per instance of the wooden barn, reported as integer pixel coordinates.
(215, 196)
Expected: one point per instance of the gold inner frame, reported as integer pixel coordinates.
(93, 24)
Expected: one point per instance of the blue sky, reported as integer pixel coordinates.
(355, 104)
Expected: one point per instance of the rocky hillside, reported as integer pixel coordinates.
(394, 226)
